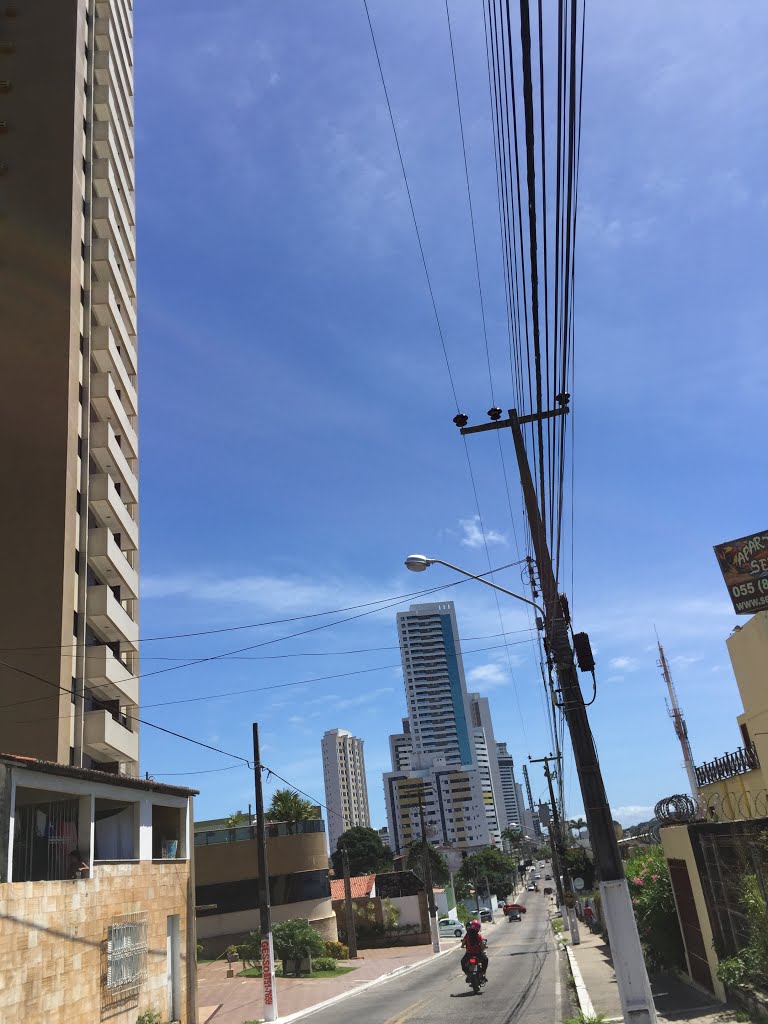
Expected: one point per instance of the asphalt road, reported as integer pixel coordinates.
(526, 983)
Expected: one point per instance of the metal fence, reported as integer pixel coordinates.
(739, 762)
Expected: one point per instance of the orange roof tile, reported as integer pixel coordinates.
(361, 887)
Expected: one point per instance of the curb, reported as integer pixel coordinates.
(585, 1003)
(397, 973)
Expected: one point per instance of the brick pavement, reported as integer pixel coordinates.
(223, 1000)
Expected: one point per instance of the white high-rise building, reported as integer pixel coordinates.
(512, 807)
(488, 765)
(69, 588)
(442, 755)
(346, 790)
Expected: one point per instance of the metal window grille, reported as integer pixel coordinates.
(127, 952)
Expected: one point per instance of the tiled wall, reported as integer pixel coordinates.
(53, 943)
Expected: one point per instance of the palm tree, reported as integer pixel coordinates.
(578, 826)
(289, 807)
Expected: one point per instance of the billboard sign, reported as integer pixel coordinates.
(744, 565)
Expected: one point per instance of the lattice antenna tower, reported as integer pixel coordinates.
(681, 729)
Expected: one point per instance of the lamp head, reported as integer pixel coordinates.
(417, 563)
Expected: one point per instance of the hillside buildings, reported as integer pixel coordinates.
(346, 790)
(69, 417)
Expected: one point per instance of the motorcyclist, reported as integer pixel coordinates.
(474, 944)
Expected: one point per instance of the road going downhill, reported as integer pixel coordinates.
(525, 983)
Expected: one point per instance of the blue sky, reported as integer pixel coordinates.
(296, 413)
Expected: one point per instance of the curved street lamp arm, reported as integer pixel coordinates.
(488, 583)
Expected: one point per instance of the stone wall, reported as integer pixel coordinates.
(53, 944)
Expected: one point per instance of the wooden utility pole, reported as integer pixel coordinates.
(265, 911)
(631, 973)
(350, 910)
(566, 892)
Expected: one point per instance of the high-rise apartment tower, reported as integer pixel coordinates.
(346, 791)
(68, 419)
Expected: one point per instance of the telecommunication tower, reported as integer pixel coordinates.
(681, 729)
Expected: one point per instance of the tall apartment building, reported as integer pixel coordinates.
(488, 765)
(435, 687)
(68, 420)
(346, 791)
(441, 756)
(512, 806)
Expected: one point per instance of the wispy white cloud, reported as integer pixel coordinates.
(487, 676)
(631, 814)
(473, 534)
(624, 664)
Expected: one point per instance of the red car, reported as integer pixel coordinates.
(514, 906)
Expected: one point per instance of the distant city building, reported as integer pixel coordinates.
(384, 836)
(346, 791)
(446, 752)
(488, 765)
(512, 806)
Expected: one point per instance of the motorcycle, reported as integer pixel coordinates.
(474, 974)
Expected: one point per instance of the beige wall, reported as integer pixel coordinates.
(217, 931)
(676, 843)
(748, 651)
(231, 862)
(53, 936)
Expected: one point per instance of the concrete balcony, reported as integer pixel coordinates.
(108, 67)
(107, 400)
(109, 508)
(108, 222)
(109, 359)
(107, 268)
(106, 184)
(108, 676)
(110, 618)
(105, 556)
(111, 739)
(108, 456)
(108, 313)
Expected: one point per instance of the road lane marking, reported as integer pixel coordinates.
(402, 1016)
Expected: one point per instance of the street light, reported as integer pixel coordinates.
(418, 563)
(631, 973)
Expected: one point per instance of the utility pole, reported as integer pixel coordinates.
(566, 892)
(351, 930)
(631, 974)
(265, 912)
(428, 878)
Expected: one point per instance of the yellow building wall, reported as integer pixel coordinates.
(748, 651)
(676, 843)
(53, 944)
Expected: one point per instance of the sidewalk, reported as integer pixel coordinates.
(674, 999)
(223, 1000)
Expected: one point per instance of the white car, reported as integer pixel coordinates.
(450, 927)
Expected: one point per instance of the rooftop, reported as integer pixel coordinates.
(361, 885)
(34, 764)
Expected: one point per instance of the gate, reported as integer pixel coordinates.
(689, 924)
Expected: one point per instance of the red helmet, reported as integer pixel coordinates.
(474, 925)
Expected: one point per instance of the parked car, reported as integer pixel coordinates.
(450, 926)
(531, 887)
(508, 907)
(547, 890)
(486, 915)
(547, 878)
(515, 915)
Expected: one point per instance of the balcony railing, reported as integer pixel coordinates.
(210, 837)
(739, 762)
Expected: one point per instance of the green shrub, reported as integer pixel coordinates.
(337, 950)
(324, 963)
(199, 950)
(149, 1017)
(651, 890)
(296, 939)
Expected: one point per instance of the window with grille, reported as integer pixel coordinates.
(127, 952)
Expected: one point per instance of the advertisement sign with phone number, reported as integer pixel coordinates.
(744, 565)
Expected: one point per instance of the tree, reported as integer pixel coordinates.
(236, 818)
(415, 862)
(654, 905)
(289, 807)
(580, 865)
(513, 836)
(491, 865)
(296, 940)
(367, 854)
(577, 826)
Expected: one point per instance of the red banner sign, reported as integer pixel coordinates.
(266, 971)
(744, 565)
